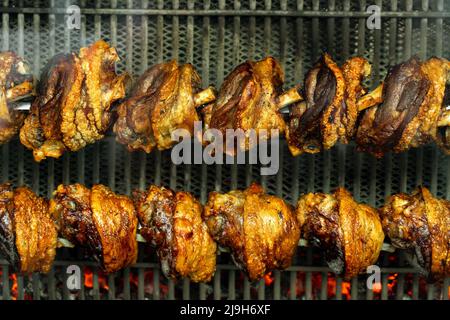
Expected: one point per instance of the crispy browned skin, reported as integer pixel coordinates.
(443, 133)
(16, 83)
(315, 124)
(349, 232)
(100, 220)
(260, 230)
(73, 107)
(71, 210)
(248, 99)
(420, 222)
(115, 218)
(41, 130)
(443, 139)
(27, 232)
(7, 227)
(408, 114)
(172, 222)
(438, 71)
(354, 71)
(163, 100)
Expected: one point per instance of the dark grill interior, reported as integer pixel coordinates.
(215, 36)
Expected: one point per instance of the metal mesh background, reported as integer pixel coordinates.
(215, 39)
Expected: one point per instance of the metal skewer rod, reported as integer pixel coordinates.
(22, 106)
(201, 98)
(62, 242)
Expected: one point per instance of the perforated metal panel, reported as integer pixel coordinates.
(215, 36)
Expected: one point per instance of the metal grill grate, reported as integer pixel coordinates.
(215, 36)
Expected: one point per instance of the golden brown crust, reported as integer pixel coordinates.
(260, 230)
(362, 233)
(196, 257)
(74, 101)
(10, 120)
(70, 208)
(421, 222)
(271, 232)
(412, 96)
(115, 218)
(315, 124)
(224, 217)
(41, 130)
(8, 247)
(172, 222)
(330, 131)
(438, 70)
(35, 232)
(176, 108)
(15, 84)
(100, 220)
(247, 100)
(162, 101)
(350, 233)
(354, 71)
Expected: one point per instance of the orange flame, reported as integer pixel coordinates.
(89, 279)
(392, 281)
(15, 287)
(332, 287)
(346, 289)
(268, 279)
(377, 287)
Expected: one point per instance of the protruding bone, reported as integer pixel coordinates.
(444, 119)
(372, 98)
(289, 97)
(206, 96)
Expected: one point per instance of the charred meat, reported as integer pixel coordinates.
(250, 98)
(172, 222)
(16, 83)
(313, 122)
(73, 105)
(260, 230)
(163, 100)
(411, 104)
(329, 111)
(28, 236)
(99, 220)
(420, 222)
(350, 233)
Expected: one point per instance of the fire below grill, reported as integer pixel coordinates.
(301, 281)
(215, 37)
(307, 278)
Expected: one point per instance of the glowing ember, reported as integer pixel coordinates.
(268, 279)
(332, 287)
(14, 288)
(377, 287)
(346, 289)
(89, 279)
(145, 283)
(392, 282)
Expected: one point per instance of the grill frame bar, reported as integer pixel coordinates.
(185, 291)
(230, 13)
(215, 19)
